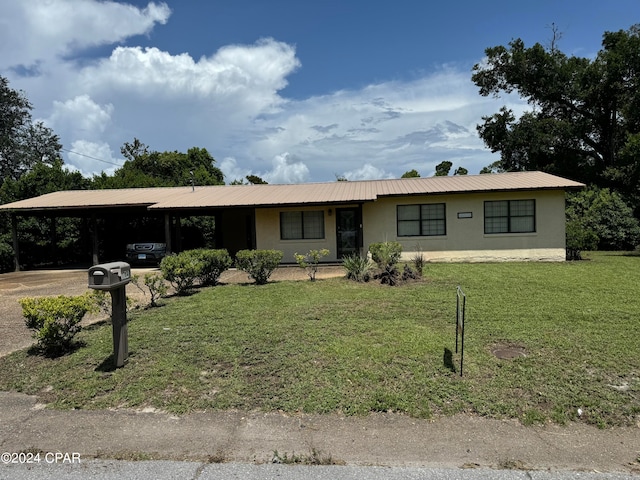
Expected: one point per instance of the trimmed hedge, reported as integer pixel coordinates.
(259, 264)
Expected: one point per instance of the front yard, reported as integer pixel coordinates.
(338, 346)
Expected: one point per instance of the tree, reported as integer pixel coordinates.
(23, 144)
(603, 214)
(411, 174)
(255, 180)
(443, 168)
(585, 117)
(461, 171)
(146, 168)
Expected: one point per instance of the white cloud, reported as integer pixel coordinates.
(80, 116)
(230, 102)
(40, 30)
(367, 172)
(93, 157)
(286, 169)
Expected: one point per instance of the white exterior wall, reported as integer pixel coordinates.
(465, 239)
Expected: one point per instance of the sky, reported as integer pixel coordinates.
(290, 90)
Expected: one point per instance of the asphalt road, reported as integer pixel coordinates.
(160, 470)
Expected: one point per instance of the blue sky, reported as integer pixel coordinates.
(292, 91)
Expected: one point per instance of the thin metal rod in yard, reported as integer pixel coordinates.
(461, 305)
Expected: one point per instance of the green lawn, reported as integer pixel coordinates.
(339, 346)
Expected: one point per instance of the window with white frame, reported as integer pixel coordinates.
(510, 216)
(421, 220)
(302, 225)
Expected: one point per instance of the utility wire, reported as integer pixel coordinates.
(89, 156)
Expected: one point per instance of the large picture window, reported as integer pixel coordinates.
(421, 220)
(302, 225)
(510, 216)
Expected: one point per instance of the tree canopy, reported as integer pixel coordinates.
(23, 144)
(146, 168)
(584, 121)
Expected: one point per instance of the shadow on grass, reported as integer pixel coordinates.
(56, 352)
(447, 359)
(107, 365)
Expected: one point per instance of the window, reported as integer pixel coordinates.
(301, 225)
(510, 216)
(421, 220)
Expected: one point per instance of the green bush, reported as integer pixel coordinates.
(212, 264)
(155, 284)
(259, 264)
(579, 238)
(358, 268)
(181, 270)
(605, 213)
(56, 320)
(385, 254)
(309, 261)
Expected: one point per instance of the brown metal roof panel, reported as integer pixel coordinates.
(69, 199)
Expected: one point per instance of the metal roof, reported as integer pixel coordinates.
(219, 196)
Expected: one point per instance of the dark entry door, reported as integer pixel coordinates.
(348, 230)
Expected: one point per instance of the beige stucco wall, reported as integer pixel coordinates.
(465, 239)
(268, 233)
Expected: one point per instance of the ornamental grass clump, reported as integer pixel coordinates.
(358, 268)
(386, 255)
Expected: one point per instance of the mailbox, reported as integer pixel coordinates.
(114, 277)
(109, 276)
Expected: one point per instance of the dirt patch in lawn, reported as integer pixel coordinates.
(508, 351)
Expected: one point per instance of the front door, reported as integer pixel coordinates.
(348, 222)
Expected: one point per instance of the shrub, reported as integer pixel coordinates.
(579, 238)
(386, 255)
(358, 268)
(309, 261)
(605, 212)
(155, 285)
(181, 270)
(55, 320)
(212, 264)
(259, 264)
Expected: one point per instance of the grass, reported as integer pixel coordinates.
(340, 346)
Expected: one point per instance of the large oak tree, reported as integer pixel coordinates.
(584, 121)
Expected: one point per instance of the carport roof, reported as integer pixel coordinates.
(221, 196)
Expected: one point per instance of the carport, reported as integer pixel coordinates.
(120, 206)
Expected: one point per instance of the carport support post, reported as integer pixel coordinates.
(119, 324)
(94, 239)
(167, 232)
(16, 245)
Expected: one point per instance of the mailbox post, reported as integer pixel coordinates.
(113, 277)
